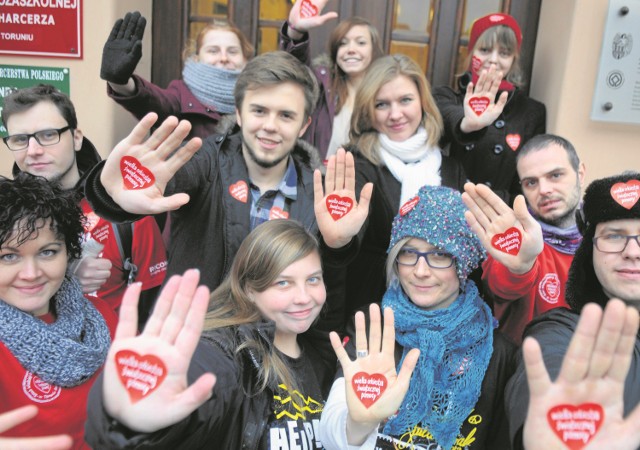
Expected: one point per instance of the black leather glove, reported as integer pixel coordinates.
(123, 49)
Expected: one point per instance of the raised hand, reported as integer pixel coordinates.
(593, 372)
(338, 214)
(376, 360)
(145, 377)
(489, 217)
(123, 49)
(160, 155)
(481, 95)
(17, 416)
(302, 19)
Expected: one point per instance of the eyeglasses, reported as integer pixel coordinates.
(17, 142)
(614, 243)
(436, 259)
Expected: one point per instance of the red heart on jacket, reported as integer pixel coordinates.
(479, 104)
(576, 425)
(134, 174)
(277, 213)
(239, 191)
(513, 140)
(508, 242)
(140, 374)
(308, 9)
(626, 194)
(338, 206)
(409, 205)
(369, 387)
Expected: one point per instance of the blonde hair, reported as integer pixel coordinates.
(194, 45)
(505, 37)
(363, 135)
(263, 255)
(391, 265)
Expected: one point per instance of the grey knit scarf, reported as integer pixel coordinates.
(211, 85)
(65, 353)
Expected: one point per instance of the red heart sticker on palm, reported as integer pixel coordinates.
(479, 104)
(369, 387)
(626, 194)
(338, 206)
(134, 174)
(576, 425)
(508, 242)
(277, 213)
(308, 9)
(140, 374)
(513, 140)
(239, 191)
(409, 205)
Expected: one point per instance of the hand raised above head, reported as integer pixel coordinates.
(123, 49)
(306, 14)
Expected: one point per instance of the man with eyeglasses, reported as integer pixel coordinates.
(525, 283)
(44, 138)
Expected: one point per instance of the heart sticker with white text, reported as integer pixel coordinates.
(308, 9)
(239, 191)
(626, 194)
(369, 387)
(338, 206)
(134, 174)
(409, 205)
(277, 213)
(140, 374)
(576, 425)
(479, 104)
(508, 242)
(513, 140)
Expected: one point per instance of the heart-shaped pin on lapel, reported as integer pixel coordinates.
(134, 174)
(409, 205)
(239, 191)
(308, 9)
(508, 242)
(369, 387)
(277, 213)
(626, 194)
(140, 374)
(479, 104)
(513, 140)
(338, 206)
(576, 425)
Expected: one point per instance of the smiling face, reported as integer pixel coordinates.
(355, 51)
(31, 273)
(222, 48)
(397, 109)
(425, 286)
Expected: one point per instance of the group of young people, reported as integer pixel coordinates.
(373, 267)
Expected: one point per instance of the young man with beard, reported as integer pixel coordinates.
(533, 280)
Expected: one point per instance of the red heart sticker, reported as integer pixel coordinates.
(626, 194)
(576, 425)
(508, 242)
(308, 9)
(239, 191)
(369, 387)
(277, 213)
(338, 206)
(409, 205)
(479, 104)
(134, 174)
(513, 140)
(140, 375)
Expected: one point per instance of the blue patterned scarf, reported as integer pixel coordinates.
(565, 240)
(211, 85)
(455, 345)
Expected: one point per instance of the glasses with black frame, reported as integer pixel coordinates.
(614, 243)
(436, 259)
(45, 138)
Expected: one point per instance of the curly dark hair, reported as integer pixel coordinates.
(28, 201)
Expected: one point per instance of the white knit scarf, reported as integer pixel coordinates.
(412, 162)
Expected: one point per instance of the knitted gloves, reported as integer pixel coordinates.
(123, 49)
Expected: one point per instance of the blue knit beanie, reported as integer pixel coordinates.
(436, 215)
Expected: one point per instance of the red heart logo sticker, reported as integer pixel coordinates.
(140, 375)
(308, 9)
(134, 174)
(369, 387)
(508, 242)
(626, 194)
(409, 205)
(239, 191)
(576, 425)
(513, 140)
(277, 213)
(338, 206)
(479, 104)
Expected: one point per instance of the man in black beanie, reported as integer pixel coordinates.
(606, 266)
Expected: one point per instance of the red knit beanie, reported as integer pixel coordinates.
(493, 20)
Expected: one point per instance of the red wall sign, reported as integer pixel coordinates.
(41, 28)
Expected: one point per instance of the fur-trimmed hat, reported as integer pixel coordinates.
(493, 20)
(606, 199)
(436, 215)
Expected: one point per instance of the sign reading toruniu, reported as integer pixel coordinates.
(41, 28)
